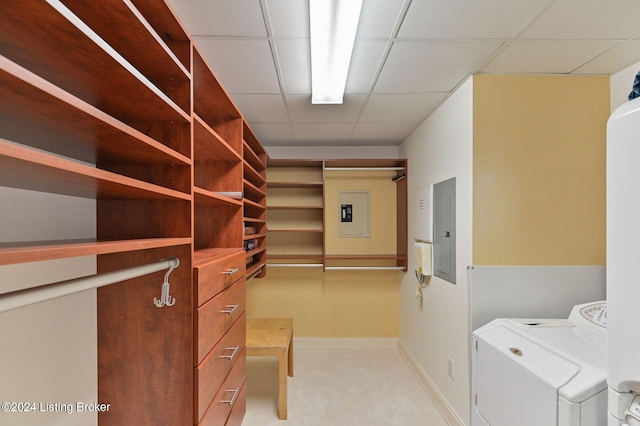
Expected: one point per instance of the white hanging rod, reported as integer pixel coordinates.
(30, 296)
(252, 276)
(299, 265)
(362, 168)
(364, 268)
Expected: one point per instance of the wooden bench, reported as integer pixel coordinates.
(273, 337)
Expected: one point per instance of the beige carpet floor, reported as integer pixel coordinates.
(343, 387)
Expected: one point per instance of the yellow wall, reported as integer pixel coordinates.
(539, 170)
(328, 304)
(337, 303)
(382, 211)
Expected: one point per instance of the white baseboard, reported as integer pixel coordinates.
(443, 406)
(328, 343)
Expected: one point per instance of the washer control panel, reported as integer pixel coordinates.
(591, 314)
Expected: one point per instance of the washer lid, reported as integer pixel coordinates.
(518, 379)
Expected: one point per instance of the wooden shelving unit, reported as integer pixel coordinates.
(295, 212)
(255, 201)
(297, 215)
(112, 102)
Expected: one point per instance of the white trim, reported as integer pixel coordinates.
(328, 343)
(443, 406)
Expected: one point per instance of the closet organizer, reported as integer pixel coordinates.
(112, 101)
(304, 214)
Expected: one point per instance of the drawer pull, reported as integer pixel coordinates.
(230, 309)
(231, 271)
(233, 354)
(233, 398)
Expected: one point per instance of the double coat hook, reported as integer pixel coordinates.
(165, 298)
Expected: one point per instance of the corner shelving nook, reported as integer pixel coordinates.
(302, 213)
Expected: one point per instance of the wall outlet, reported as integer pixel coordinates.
(450, 370)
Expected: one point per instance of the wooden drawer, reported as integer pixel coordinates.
(230, 397)
(215, 317)
(239, 409)
(210, 374)
(217, 273)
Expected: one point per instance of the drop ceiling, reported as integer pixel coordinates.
(409, 56)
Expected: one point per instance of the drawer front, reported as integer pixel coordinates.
(239, 409)
(215, 317)
(210, 374)
(229, 397)
(212, 278)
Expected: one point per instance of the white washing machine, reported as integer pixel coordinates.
(541, 372)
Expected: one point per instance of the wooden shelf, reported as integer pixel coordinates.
(209, 145)
(297, 230)
(255, 267)
(202, 196)
(253, 192)
(12, 253)
(363, 257)
(295, 184)
(253, 236)
(295, 207)
(209, 255)
(252, 175)
(253, 219)
(252, 158)
(68, 43)
(160, 16)
(38, 113)
(25, 168)
(254, 205)
(156, 61)
(213, 105)
(315, 257)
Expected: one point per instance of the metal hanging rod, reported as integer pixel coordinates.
(30, 296)
(364, 268)
(362, 168)
(296, 265)
(252, 276)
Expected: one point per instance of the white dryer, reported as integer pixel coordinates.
(541, 372)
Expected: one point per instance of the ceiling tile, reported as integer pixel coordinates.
(322, 133)
(242, 66)
(273, 133)
(406, 108)
(301, 110)
(403, 66)
(288, 18)
(587, 19)
(431, 66)
(259, 108)
(294, 58)
(367, 57)
(467, 19)
(544, 56)
(221, 17)
(378, 18)
(615, 60)
(381, 134)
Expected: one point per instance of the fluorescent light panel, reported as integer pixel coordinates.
(333, 32)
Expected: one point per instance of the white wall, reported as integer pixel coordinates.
(435, 328)
(622, 84)
(49, 350)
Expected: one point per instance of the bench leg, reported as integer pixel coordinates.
(282, 378)
(290, 356)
